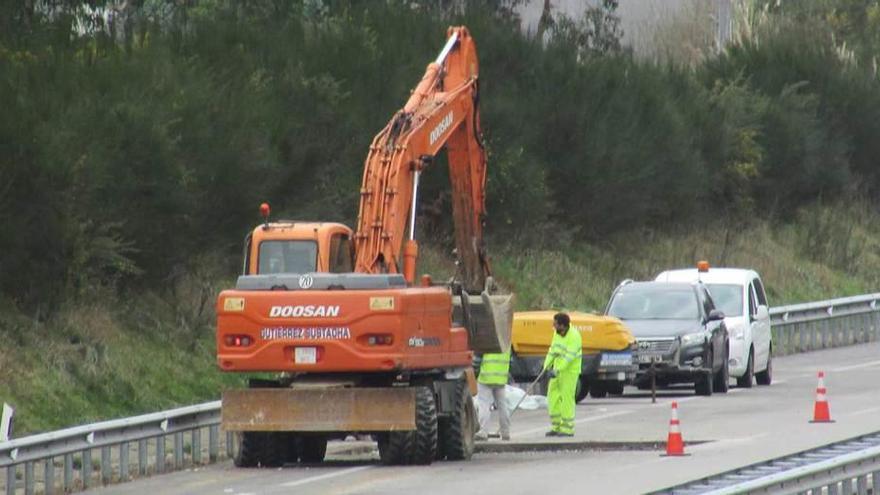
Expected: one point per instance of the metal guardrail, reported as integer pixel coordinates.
(823, 324)
(29, 463)
(143, 437)
(847, 467)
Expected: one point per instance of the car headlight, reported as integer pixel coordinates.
(692, 338)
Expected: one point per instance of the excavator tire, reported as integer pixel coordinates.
(312, 449)
(418, 446)
(259, 449)
(289, 446)
(456, 432)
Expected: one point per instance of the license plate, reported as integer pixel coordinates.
(616, 359)
(305, 355)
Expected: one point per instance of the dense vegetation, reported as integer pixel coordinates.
(134, 151)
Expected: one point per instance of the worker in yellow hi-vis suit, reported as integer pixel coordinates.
(563, 365)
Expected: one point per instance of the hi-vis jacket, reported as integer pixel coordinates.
(564, 355)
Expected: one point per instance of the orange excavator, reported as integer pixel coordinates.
(357, 345)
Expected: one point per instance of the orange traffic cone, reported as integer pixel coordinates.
(674, 443)
(821, 413)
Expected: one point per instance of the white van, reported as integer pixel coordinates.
(739, 293)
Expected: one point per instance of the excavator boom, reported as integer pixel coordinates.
(443, 111)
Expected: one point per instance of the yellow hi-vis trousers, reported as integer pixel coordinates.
(560, 402)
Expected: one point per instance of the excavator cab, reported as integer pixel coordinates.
(291, 247)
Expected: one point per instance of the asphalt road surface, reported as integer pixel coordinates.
(736, 429)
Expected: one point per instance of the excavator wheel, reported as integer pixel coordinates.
(259, 449)
(457, 431)
(418, 446)
(312, 449)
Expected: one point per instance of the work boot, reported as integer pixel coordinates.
(551, 433)
(561, 434)
(505, 437)
(481, 436)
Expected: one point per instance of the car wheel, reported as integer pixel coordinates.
(766, 376)
(615, 388)
(703, 384)
(598, 391)
(581, 389)
(722, 378)
(747, 379)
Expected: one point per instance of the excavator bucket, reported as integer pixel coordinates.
(488, 318)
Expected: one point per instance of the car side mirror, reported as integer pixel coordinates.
(716, 315)
(763, 313)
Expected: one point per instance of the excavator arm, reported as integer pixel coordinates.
(443, 111)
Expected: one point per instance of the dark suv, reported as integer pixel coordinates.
(678, 329)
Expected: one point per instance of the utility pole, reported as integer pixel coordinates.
(723, 23)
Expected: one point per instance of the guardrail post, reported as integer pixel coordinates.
(123, 461)
(213, 443)
(160, 454)
(833, 489)
(106, 466)
(876, 324)
(808, 336)
(863, 328)
(776, 335)
(10, 480)
(828, 332)
(824, 335)
(813, 336)
(142, 457)
(862, 485)
(837, 332)
(49, 477)
(68, 472)
(793, 338)
(29, 478)
(86, 468)
(178, 450)
(196, 440)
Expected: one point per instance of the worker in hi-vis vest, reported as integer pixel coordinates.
(490, 389)
(563, 366)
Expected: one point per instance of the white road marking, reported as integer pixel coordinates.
(325, 476)
(863, 411)
(869, 364)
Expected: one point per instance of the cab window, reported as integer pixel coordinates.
(340, 254)
(728, 298)
(753, 307)
(247, 255)
(288, 257)
(706, 299)
(759, 292)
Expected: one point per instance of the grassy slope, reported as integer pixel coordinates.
(103, 359)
